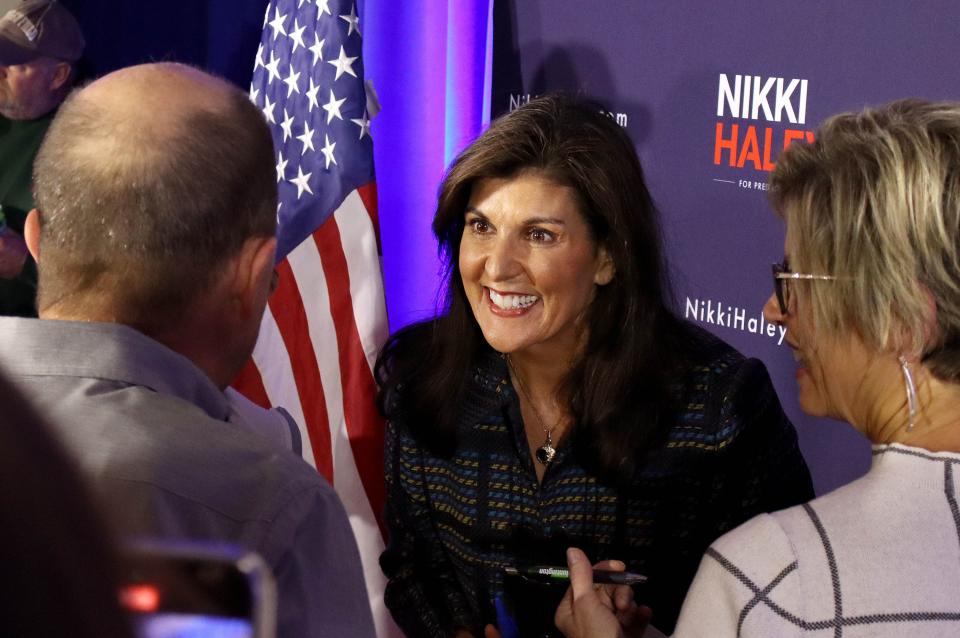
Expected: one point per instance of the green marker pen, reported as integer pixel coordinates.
(548, 574)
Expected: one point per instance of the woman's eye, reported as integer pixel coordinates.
(479, 226)
(540, 235)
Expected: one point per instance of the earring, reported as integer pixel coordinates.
(911, 392)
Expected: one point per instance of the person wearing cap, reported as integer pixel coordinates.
(40, 42)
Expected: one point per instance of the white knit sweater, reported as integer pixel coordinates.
(878, 557)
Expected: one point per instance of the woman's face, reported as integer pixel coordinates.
(529, 265)
(831, 369)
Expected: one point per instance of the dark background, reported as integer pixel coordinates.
(218, 35)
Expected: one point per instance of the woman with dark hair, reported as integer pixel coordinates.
(558, 400)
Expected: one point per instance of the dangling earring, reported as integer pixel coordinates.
(911, 392)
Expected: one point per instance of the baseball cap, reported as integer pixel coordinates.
(39, 28)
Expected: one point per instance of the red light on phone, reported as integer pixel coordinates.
(143, 599)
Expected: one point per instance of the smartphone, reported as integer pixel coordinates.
(193, 590)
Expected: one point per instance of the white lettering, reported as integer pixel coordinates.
(760, 98)
(745, 111)
(748, 97)
(783, 102)
(712, 311)
(740, 318)
(732, 96)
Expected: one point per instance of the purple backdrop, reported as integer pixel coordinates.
(669, 73)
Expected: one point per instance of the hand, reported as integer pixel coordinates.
(13, 253)
(598, 611)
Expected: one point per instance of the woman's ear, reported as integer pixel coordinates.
(605, 268)
(906, 335)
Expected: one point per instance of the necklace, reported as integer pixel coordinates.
(545, 452)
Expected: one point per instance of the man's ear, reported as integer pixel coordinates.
(61, 76)
(254, 272)
(605, 268)
(31, 234)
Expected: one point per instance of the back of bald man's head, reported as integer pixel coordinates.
(148, 181)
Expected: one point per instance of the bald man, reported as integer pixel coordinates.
(154, 237)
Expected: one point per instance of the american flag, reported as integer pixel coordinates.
(327, 318)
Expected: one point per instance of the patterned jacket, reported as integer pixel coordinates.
(456, 522)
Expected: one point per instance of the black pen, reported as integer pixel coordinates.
(547, 574)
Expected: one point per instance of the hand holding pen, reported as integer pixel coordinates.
(590, 610)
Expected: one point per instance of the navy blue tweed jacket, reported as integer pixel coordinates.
(455, 522)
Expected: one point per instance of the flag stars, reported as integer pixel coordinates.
(273, 68)
(317, 48)
(297, 35)
(291, 82)
(353, 21)
(301, 181)
(364, 124)
(343, 64)
(323, 6)
(306, 139)
(327, 151)
(259, 61)
(254, 93)
(267, 109)
(333, 107)
(277, 23)
(287, 125)
(281, 167)
(312, 96)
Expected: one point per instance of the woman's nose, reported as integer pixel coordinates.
(502, 259)
(771, 310)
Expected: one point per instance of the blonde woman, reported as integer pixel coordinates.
(869, 291)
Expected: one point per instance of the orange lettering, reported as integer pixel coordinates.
(790, 135)
(750, 150)
(767, 143)
(725, 144)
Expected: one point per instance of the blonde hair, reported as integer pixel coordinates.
(875, 201)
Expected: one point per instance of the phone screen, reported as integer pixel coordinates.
(173, 625)
(177, 595)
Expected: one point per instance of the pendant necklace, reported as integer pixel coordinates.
(545, 452)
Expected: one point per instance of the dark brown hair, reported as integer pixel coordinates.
(618, 392)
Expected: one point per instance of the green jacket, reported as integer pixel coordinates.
(19, 142)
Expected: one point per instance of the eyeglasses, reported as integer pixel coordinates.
(781, 277)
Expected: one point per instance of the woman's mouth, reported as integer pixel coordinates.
(510, 302)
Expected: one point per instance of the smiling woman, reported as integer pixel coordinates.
(558, 400)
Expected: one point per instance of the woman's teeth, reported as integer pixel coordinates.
(512, 302)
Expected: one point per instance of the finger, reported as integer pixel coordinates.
(581, 573)
(611, 565)
(623, 598)
(490, 632)
(635, 623)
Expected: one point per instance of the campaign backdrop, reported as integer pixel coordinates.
(710, 93)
